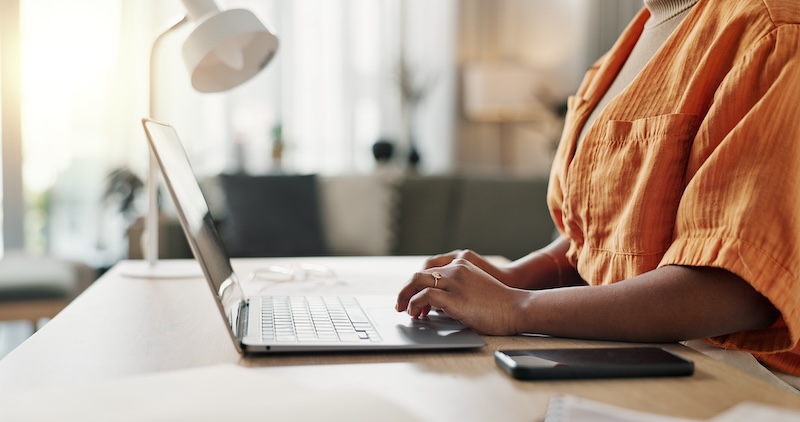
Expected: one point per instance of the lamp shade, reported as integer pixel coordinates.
(226, 49)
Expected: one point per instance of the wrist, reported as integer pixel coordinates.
(539, 270)
(523, 319)
(514, 276)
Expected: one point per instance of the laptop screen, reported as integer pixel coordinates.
(193, 212)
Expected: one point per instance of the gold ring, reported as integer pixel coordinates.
(436, 276)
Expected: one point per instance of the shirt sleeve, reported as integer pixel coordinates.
(740, 209)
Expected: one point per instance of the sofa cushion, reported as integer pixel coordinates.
(274, 215)
(501, 216)
(424, 215)
(358, 213)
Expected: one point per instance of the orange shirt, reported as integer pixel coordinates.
(696, 162)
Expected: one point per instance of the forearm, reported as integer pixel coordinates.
(545, 268)
(668, 304)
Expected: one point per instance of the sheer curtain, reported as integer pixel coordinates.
(79, 90)
(332, 88)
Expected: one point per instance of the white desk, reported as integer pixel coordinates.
(122, 327)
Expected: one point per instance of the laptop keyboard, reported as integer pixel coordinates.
(314, 319)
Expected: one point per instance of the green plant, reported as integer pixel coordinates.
(123, 187)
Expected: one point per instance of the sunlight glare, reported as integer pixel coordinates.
(69, 51)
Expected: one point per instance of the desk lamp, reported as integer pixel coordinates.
(225, 49)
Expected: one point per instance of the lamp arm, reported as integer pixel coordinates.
(153, 61)
(151, 225)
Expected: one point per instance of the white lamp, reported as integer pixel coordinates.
(225, 49)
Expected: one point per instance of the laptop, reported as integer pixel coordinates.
(263, 324)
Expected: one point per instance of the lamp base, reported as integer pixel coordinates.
(161, 269)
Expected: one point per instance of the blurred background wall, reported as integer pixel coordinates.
(475, 87)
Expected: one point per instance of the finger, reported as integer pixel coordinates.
(474, 260)
(461, 266)
(421, 304)
(467, 254)
(442, 259)
(419, 282)
(473, 257)
(425, 311)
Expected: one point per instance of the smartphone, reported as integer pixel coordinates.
(614, 362)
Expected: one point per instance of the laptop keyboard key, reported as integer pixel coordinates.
(315, 319)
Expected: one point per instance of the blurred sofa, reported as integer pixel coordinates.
(376, 214)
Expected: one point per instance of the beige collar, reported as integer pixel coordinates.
(664, 10)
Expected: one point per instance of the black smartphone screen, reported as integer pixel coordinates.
(614, 362)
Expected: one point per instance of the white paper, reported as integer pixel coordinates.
(576, 409)
(757, 412)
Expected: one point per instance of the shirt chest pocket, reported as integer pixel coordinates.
(636, 180)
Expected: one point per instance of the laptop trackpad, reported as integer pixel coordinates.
(434, 328)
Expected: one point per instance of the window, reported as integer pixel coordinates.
(332, 88)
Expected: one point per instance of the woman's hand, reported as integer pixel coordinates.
(466, 293)
(502, 274)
